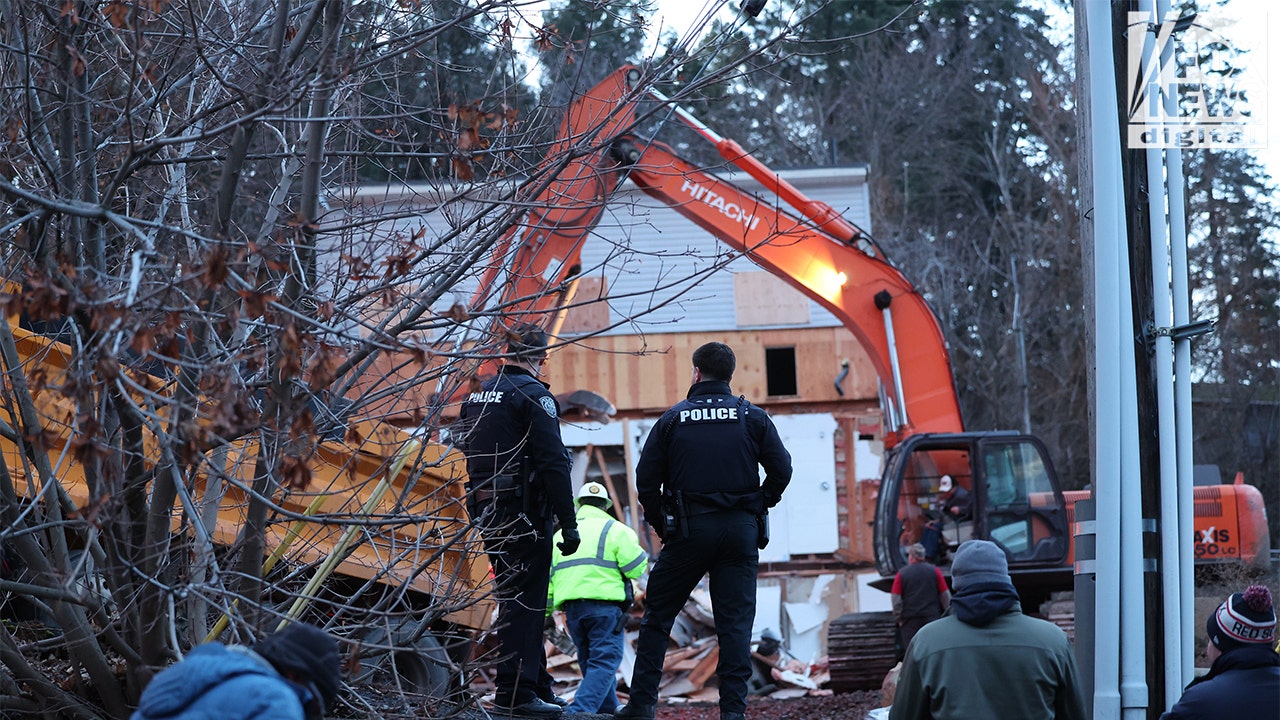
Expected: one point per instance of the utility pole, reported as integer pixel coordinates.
(1020, 337)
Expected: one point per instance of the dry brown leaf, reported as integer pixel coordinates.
(290, 351)
(117, 13)
(458, 313)
(295, 474)
(462, 169)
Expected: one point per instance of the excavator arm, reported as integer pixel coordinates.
(535, 264)
(815, 250)
(869, 296)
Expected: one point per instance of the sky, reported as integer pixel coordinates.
(1252, 26)
(680, 14)
(1257, 26)
(1247, 24)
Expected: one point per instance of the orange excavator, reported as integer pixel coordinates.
(1014, 497)
(836, 264)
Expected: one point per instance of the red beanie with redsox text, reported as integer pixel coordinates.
(1246, 618)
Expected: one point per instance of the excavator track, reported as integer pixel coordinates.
(861, 650)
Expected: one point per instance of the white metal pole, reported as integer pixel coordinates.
(1170, 531)
(1181, 301)
(1183, 415)
(1108, 234)
(1170, 527)
(1134, 697)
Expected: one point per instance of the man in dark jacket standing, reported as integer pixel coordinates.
(919, 593)
(986, 659)
(518, 472)
(1244, 679)
(698, 480)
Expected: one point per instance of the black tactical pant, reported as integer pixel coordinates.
(521, 559)
(722, 543)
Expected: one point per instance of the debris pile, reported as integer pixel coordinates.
(690, 663)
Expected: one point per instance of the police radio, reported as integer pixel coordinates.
(675, 515)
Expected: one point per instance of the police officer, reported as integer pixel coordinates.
(698, 480)
(519, 481)
(593, 588)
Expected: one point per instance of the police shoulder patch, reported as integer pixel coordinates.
(549, 404)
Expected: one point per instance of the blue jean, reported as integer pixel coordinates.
(931, 539)
(596, 628)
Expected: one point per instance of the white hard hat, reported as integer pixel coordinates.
(595, 490)
(944, 485)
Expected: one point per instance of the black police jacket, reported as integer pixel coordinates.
(511, 420)
(710, 448)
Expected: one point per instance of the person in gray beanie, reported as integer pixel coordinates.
(1029, 667)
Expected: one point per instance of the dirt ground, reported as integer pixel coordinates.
(844, 706)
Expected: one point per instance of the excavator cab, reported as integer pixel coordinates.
(942, 489)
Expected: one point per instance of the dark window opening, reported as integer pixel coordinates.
(780, 370)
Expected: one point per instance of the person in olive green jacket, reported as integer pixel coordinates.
(592, 586)
(986, 659)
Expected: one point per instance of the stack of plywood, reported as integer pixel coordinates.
(1060, 609)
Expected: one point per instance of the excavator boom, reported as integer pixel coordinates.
(540, 257)
(869, 296)
(818, 251)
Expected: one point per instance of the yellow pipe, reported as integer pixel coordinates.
(294, 531)
(340, 548)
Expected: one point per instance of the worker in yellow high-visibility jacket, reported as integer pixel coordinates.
(593, 588)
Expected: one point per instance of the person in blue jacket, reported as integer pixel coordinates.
(294, 674)
(1244, 679)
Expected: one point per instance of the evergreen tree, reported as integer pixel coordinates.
(1234, 257)
(1235, 279)
(454, 89)
(583, 41)
(962, 111)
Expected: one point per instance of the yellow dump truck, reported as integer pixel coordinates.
(380, 506)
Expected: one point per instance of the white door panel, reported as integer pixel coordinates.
(805, 521)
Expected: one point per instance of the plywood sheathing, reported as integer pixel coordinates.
(651, 372)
